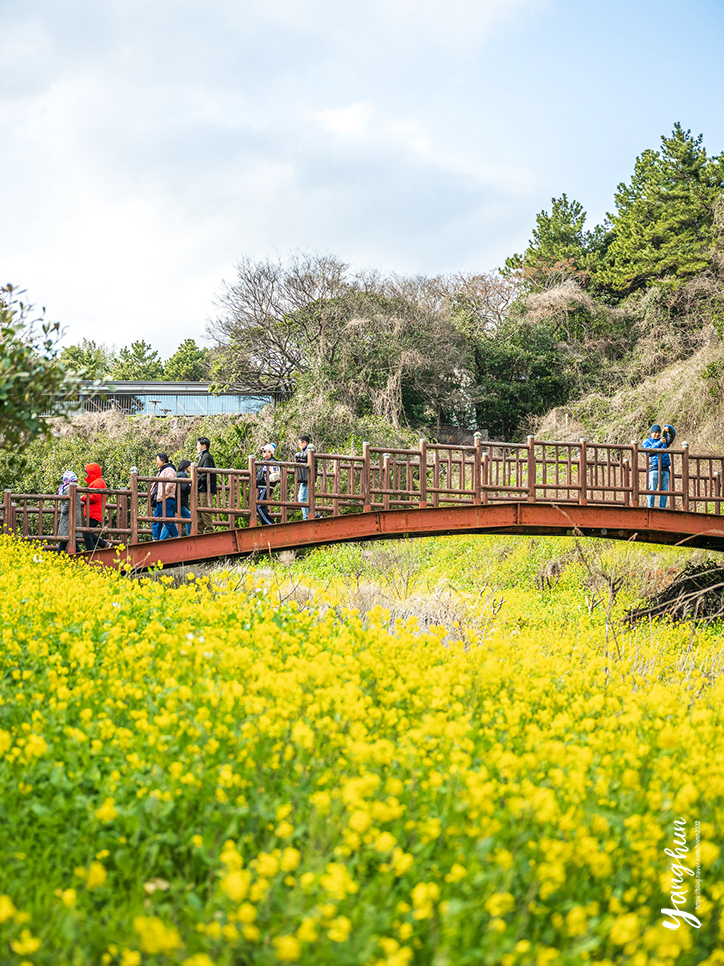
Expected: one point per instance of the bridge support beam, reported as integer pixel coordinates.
(618, 523)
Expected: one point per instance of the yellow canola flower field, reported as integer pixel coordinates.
(195, 776)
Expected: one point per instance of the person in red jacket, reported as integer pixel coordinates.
(93, 506)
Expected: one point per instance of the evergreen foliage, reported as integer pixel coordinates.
(663, 228)
(189, 363)
(560, 246)
(139, 363)
(88, 359)
(34, 384)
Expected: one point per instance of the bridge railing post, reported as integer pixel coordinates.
(583, 472)
(717, 492)
(252, 491)
(423, 474)
(386, 461)
(312, 482)
(626, 480)
(478, 469)
(366, 478)
(634, 472)
(531, 469)
(484, 477)
(194, 500)
(7, 511)
(72, 503)
(685, 477)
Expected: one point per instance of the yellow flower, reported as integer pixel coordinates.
(197, 841)
(246, 912)
(340, 929)
(67, 896)
(337, 881)
(7, 909)
(360, 821)
(155, 936)
(290, 860)
(236, 884)
(385, 842)
(107, 811)
(288, 948)
(456, 873)
(26, 945)
(267, 865)
(500, 903)
(708, 853)
(307, 932)
(36, 745)
(576, 921)
(96, 876)
(423, 896)
(130, 957)
(624, 929)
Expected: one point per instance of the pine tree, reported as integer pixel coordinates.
(663, 228)
(188, 363)
(560, 246)
(140, 362)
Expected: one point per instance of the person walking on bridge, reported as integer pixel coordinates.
(165, 493)
(65, 511)
(184, 494)
(94, 505)
(659, 462)
(206, 486)
(302, 457)
(267, 477)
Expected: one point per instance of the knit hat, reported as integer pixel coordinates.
(269, 446)
(68, 477)
(655, 428)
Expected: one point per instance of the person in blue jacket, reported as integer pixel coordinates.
(659, 463)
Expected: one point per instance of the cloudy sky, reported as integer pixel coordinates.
(146, 145)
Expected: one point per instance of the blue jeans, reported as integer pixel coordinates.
(655, 485)
(186, 514)
(161, 530)
(303, 497)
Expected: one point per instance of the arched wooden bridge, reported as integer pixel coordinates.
(537, 487)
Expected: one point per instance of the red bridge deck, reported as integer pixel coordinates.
(537, 487)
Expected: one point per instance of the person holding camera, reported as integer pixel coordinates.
(659, 462)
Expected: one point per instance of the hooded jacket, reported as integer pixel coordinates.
(660, 444)
(95, 502)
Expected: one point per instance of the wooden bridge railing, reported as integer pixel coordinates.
(383, 478)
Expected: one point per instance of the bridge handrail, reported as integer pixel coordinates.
(432, 475)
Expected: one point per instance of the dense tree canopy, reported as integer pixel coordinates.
(88, 359)
(560, 246)
(34, 384)
(663, 227)
(189, 363)
(140, 362)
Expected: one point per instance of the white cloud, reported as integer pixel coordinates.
(147, 146)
